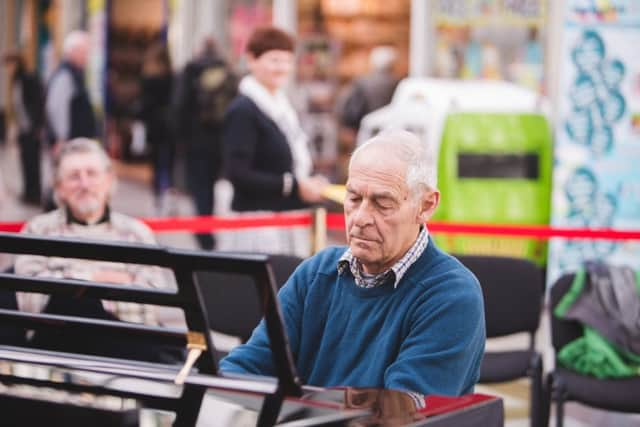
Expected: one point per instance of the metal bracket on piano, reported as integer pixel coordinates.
(196, 344)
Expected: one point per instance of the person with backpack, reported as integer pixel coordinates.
(206, 88)
(362, 96)
(369, 92)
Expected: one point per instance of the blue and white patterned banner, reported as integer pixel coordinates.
(597, 153)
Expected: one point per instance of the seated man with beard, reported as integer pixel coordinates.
(83, 183)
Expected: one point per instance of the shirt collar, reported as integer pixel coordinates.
(395, 273)
(106, 217)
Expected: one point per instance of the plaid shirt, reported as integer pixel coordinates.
(113, 227)
(394, 274)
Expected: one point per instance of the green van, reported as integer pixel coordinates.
(495, 168)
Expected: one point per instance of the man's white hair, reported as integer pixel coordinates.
(382, 58)
(81, 146)
(421, 172)
(73, 40)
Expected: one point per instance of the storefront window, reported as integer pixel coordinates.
(491, 40)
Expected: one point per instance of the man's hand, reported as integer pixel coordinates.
(311, 189)
(113, 276)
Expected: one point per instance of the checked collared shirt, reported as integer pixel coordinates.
(394, 274)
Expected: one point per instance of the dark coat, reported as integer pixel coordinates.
(32, 98)
(194, 101)
(256, 156)
(81, 115)
(155, 111)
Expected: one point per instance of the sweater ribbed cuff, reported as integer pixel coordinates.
(287, 184)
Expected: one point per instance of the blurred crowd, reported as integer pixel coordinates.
(243, 129)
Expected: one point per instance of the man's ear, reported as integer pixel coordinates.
(113, 183)
(428, 205)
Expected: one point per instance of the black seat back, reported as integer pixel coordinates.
(512, 290)
(232, 305)
(10, 334)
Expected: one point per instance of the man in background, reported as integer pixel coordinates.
(364, 95)
(68, 107)
(27, 104)
(370, 92)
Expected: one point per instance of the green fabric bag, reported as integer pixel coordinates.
(593, 355)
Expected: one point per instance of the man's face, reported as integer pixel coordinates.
(83, 185)
(272, 69)
(382, 218)
(11, 65)
(80, 54)
(83, 55)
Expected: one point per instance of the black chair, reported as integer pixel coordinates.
(10, 334)
(90, 332)
(563, 385)
(232, 305)
(512, 290)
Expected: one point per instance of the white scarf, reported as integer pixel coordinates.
(278, 108)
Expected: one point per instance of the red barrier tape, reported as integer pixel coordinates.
(539, 232)
(210, 223)
(335, 221)
(12, 227)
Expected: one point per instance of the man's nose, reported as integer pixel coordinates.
(84, 180)
(362, 215)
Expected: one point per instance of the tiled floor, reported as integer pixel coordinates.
(134, 197)
(516, 400)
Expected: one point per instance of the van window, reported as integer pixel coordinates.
(523, 166)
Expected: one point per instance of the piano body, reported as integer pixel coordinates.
(42, 386)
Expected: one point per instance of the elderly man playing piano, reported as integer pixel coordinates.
(390, 310)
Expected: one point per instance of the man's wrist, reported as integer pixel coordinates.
(287, 184)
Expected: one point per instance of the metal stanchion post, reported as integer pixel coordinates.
(319, 230)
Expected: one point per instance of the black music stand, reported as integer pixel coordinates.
(188, 297)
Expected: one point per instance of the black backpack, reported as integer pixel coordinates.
(215, 87)
(355, 107)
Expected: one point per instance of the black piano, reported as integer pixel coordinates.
(54, 386)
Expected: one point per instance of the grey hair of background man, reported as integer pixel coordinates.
(73, 40)
(382, 58)
(421, 175)
(80, 146)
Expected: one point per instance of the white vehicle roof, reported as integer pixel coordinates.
(422, 104)
(469, 95)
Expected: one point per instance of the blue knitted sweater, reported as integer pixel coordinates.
(427, 335)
